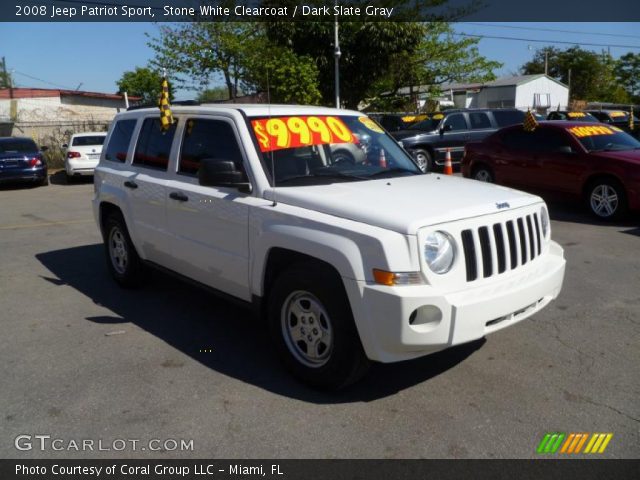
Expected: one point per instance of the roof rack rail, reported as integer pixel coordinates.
(155, 105)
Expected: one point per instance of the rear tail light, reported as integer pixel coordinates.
(34, 162)
(73, 154)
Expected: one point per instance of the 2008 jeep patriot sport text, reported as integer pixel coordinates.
(322, 220)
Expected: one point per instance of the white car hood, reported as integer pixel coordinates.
(404, 204)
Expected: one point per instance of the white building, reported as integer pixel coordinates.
(537, 92)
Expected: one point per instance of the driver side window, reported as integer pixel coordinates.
(457, 122)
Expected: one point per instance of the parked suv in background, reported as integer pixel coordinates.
(429, 139)
(21, 161)
(348, 261)
(617, 118)
(83, 153)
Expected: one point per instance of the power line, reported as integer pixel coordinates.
(636, 47)
(539, 29)
(40, 80)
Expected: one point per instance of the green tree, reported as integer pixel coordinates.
(627, 72)
(213, 95)
(241, 54)
(143, 82)
(592, 74)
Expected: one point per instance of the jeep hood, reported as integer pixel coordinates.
(405, 204)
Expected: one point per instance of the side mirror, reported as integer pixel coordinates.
(446, 128)
(44, 148)
(222, 173)
(65, 145)
(564, 149)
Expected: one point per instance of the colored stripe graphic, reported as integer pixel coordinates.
(598, 442)
(572, 443)
(550, 443)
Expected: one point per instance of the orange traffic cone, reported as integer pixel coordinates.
(448, 167)
(382, 161)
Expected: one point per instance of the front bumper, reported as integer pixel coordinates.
(383, 314)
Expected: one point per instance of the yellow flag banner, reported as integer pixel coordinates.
(166, 117)
(530, 123)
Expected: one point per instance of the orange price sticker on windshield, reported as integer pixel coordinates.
(590, 131)
(618, 114)
(576, 114)
(291, 132)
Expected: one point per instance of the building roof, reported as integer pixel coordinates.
(6, 93)
(515, 80)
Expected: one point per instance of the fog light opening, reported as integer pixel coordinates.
(425, 315)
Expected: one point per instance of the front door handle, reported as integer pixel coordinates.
(131, 184)
(181, 197)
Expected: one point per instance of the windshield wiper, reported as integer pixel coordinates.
(328, 175)
(392, 170)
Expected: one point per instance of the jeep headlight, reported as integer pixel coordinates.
(439, 252)
(544, 223)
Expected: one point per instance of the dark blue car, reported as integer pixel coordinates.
(21, 161)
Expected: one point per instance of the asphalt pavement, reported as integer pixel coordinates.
(82, 359)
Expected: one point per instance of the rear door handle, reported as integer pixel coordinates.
(181, 197)
(130, 184)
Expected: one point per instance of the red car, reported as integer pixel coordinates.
(588, 161)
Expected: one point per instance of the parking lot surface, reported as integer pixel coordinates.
(82, 359)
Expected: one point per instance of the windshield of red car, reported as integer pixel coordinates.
(604, 138)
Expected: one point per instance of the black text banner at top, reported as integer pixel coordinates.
(318, 10)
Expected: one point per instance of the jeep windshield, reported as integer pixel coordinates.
(320, 149)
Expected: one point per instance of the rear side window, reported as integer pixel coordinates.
(88, 141)
(479, 120)
(208, 139)
(154, 145)
(504, 118)
(456, 121)
(18, 146)
(119, 141)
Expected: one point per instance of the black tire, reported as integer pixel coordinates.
(123, 261)
(45, 181)
(482, 173)
(339, 357)
(606, 199)
(69, 179)
(424, 159)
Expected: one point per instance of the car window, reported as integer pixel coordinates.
(154, 145)
(479, 120)
(456, 121)
(504, 118)
(544, 140)
(518, 139)
(88, 141)
(119, 141)
(208, 139)
(17, 145)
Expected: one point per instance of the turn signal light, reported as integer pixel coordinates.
(390, 279)
(34, 162)
(73, 154)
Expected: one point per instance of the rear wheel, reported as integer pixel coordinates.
(123, 261)
(312, 327)
(483, 173)
(606, 199)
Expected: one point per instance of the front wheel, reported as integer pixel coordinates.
(606, 199)
(312, 327)
(424, 160)
(483, 174)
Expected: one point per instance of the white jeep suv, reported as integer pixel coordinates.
(321, 221)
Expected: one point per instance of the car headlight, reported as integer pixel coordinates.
(439, 252)
(544, 221)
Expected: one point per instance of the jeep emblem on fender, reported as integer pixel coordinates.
(502, 205)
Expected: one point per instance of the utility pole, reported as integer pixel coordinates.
(336, 54)
(569, 90)
(546, 61)
(7, 78)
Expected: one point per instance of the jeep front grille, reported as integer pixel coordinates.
(494, 249)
